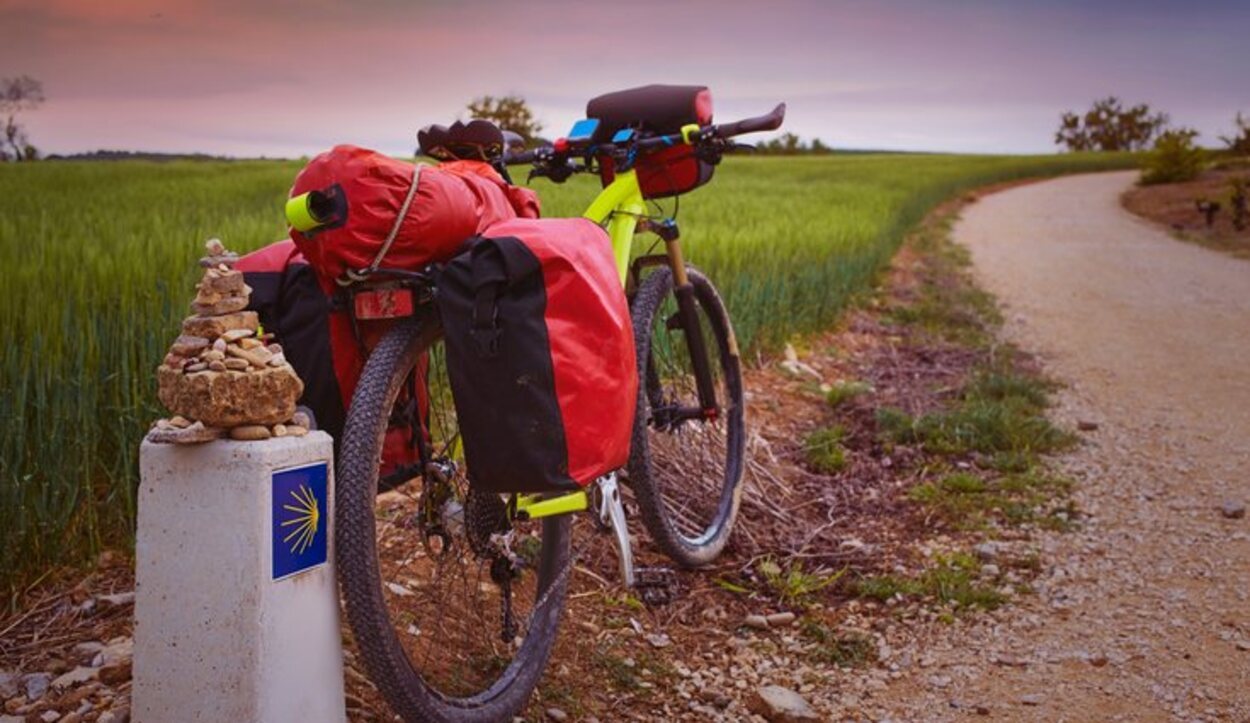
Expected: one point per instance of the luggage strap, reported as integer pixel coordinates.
(490, 273)
(352, 276)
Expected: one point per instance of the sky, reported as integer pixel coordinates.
(293, 77)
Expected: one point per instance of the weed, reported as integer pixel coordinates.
(843, 392)
(824, 451)
(970, 502)
(951, 581)
(794, 585)
(845, 650)
(998, 413)
(621, 672)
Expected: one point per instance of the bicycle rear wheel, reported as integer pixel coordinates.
(685, 472)
(459, 629)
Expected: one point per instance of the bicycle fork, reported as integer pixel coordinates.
(688, 318)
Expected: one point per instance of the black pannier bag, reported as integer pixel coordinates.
(540, 356)
(661, 110)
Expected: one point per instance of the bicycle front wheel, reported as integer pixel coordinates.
(685, 472)
(454, 607)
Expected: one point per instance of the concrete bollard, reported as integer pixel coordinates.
(236, 607)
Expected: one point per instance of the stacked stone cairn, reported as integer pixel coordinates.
(223, 376)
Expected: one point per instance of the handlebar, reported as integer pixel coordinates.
(768, 122)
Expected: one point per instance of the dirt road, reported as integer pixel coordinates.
(1143, 615)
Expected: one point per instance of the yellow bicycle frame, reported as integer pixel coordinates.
(620, 205)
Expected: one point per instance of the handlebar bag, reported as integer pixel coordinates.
(540, 355)
(425, 224)
(657, 110)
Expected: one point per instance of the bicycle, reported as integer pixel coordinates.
(419, 613)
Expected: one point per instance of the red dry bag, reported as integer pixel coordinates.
(384, 220)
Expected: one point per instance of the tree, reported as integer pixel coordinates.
(1108, 126)
(1175, 158)
(509, 112)
(1240, 142)
(18, 95)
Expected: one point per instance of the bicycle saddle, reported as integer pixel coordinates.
(477, 140)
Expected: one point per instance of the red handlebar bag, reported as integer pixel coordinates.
(659, 110)
(450, 203)
(540, 355)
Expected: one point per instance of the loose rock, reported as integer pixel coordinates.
(195, 434)
(75, 677)
(36, 684)
(758, 622)
(212, 327)
(782, 705)
(250, 433)
(1233, 510)
(188, 346)
(557, 715)
(779, 620)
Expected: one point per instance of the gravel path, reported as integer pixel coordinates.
(1143, 615)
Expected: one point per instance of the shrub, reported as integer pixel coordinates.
(823, 450)
(1239, 142)
(1175, 158)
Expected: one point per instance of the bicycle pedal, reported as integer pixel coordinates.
(656, 586)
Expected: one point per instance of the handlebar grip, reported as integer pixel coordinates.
(770, 122)
(522, 158)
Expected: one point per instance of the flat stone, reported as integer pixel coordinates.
(255, 357)
(279, 430)
(780, 620)
(250, 343)
(76, 677)
(557, 715)
(188, 346)
(88, 650)
(759, 622)
(194, 367)
(118, 651)
(237, 334)
(197, 433)
(217, 366)
(227, 259)
(212, 327)
(1032, 699)
(36, 684)
(118, 599)
(227, 305)
(295, 430)
(213, 355)
(227, 399)
(250, 432)
(1233, 509)
(238, 365)
(228, 283)
(302, 419)
(782, 705)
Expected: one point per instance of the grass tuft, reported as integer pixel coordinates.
(843, 649)
(823, 450)
(952, 581)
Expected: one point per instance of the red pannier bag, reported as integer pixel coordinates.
(540, 355)
(430, 221)
(660, 110)
(319, 342)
